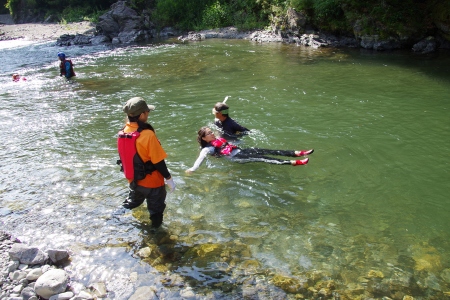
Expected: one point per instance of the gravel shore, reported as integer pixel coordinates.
(43, 32)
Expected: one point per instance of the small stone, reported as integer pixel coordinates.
(143, 292)
(13, 265)
(84, 295)
(99, 289)
(17, 275)
(27, 293)
(144, 252)
(187, 293)
(17, 289)
(62, 296)
(34, 274)
(134, 277)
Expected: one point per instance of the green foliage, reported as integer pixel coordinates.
(185, 15)
(13, 6)
(215, 16)
(72, 10)
(248, 14)
(79, 14)
(74, 14)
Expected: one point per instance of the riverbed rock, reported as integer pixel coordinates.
(34, 274)
(58, 256)
(143, 292)
(99, 289)
(28, 293)
(17, 275)
(426, 45)
(62, 296)
(27, 255)
(374, 42)
(51, 283)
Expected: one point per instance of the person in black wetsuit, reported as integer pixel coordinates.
(225, 123)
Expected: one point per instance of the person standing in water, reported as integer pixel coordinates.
(145, 159)
(210, 145)
(65, 66)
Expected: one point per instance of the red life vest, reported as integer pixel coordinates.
(130, 162)
(222, 146)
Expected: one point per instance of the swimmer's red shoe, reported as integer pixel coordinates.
(300, 162)
(303, 152)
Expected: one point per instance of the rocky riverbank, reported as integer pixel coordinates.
(27, 273)
(108, 31)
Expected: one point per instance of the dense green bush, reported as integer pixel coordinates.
(65, 10)
(183, 14)
(216, 15)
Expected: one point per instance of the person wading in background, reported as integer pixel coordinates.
(65, 66)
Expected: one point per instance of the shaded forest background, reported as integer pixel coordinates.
(382, 17)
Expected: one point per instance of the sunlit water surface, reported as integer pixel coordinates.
(374, 196)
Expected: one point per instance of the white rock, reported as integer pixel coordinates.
(133, 276)
(34, 274)
(13, 265)
(84, 295)
(143, 292)
(99, 289)
(17, 275)
(187, 293)
(51, 283)
(17, 289)
(62, 296)
(45, 268)
(144, 252)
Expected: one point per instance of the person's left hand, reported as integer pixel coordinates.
(171, 184)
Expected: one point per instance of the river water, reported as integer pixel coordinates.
(369, 214)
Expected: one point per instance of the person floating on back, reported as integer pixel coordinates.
(16, 78)
(65, 66)
(225, 123)
(220, 147)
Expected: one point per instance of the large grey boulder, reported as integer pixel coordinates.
(296, 21)
(27, 255)
(51, 283)
(426, 45)
(123, 24)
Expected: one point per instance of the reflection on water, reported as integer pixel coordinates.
(367, 217)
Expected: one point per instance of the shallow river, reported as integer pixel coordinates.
(370, 210)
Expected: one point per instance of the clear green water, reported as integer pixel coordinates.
(374, 195)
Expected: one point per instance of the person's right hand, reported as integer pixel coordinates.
(188, 171)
